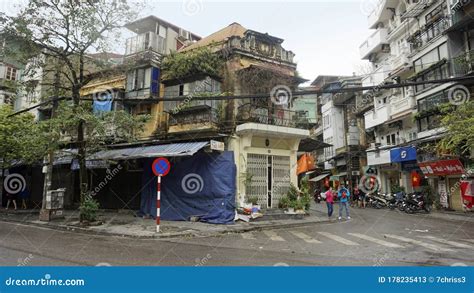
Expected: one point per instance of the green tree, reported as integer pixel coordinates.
(459, 123)
(57, 36)
(19, 139)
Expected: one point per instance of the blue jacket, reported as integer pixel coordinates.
(339, 194)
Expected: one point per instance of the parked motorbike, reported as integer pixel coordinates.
(397, 201)
(317, 196)
(377, 200)
(416, 202)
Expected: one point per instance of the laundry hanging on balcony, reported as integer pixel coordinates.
(102, 102)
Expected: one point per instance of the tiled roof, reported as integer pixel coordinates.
(233, 29)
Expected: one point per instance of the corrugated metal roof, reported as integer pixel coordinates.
(166, 150)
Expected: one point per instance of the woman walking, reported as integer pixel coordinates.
(330, 201)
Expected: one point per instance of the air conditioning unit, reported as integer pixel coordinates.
(386, 48)
(184, 34)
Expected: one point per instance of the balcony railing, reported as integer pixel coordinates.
(378, 76)
(377, 116)
(195, 115)
(464, 63)
(146, 41)
(374, 43)
(401, 59)
(278, 117)
(380, 13)
(429, 32)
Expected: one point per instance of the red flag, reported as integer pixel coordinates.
(415, 179)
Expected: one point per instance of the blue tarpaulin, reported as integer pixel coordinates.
(203, 185)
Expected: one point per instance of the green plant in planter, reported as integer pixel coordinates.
(306, 201)
(293, 204)
(284, 203)
(89, 208)
(293, 193)
(305, 195)
(299, 205)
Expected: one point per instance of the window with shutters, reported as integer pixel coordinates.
(10, 73)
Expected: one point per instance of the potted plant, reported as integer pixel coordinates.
(300, 206)
(284, 203)
(292, 206)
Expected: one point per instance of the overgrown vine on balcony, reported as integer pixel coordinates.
(186, 64)
(258, 81)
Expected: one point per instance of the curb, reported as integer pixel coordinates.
(75, 229)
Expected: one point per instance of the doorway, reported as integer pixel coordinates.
(270, 178)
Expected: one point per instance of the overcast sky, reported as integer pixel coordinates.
(324, 35)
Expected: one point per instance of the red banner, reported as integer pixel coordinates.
(442, 168)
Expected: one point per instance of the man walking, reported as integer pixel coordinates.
(343, 195)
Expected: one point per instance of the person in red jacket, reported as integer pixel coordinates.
(330, 201)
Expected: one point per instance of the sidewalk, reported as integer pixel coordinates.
(125, 224)
(445, 215)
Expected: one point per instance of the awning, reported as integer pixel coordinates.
(319, 178)
(310, 144)
(165, 150)
(338, 176)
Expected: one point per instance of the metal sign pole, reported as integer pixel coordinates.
(160, 167)
(158, 204)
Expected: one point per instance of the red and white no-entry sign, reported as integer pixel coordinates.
(160, 167)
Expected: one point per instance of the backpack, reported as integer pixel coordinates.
(344, 194)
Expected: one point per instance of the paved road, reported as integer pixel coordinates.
(371, 238)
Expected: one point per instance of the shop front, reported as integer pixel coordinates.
(446, 176)
(405, 158)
